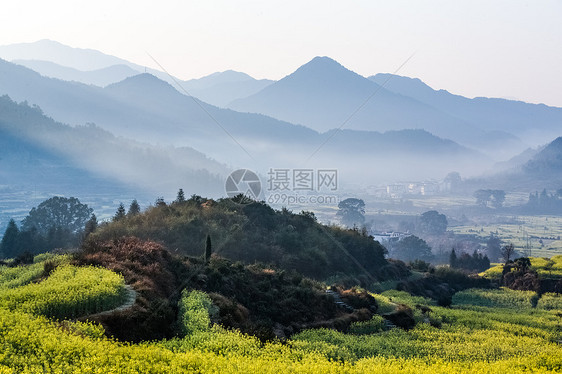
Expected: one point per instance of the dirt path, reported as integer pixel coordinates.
(129, 302)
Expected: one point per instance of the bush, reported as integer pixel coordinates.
(420, 265)
(374, 325)
(195, 309)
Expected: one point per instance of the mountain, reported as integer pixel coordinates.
(42, 152)
(148, 109)
(517, 161)
(534, 123)
(49, 50)
(228, 76)
(100, 77)
(547, 162)
(221, 88)
(41, 158)
(324, 95)
(533, 170)
(56, 60)
(76, 58)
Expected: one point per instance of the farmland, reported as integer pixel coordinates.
(488, 331)
(537, 236)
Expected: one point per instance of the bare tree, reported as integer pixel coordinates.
(508, 251)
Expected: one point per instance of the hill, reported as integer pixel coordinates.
(255, 299)
(255, 232)
(532, 171)
(41, 157)
(548, 162)
(99, 77)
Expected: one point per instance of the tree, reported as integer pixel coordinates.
(476, 262)
(57, 211)
(31, 241)
(208, 248)
(498, 198)
(493, 248)
(482, 197)
(181, 196)
(120, 213)
(453, 259)
(433, 223)
(412, 248)
(352, 212)
(454, 180)
(91, 225)
(10, 244)
(508, 251)
(134, 208)
(160, 202)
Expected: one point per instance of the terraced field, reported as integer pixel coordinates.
(485, 331)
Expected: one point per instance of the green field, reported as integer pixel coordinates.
(524, 235)
(544, 266)
(485, 331)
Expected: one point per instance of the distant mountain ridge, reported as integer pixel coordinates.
(56, 60)
(148, 109)
(496, 115)
(58, 53)
(37, 141)
(533, 170)
(548, 160)
(100, 77)
(324, 95)
(222, 88)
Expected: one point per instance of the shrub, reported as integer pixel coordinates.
(374, 325)
(195, 309)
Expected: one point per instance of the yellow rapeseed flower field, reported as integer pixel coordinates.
(486, 331)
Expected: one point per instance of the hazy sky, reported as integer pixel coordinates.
(506, 48)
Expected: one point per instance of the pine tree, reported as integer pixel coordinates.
(453, 259)
(91, 225)
(181, 196)
(120, 214)
(134, 208)
(9, 246)
(208, 249)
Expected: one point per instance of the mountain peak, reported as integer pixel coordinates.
(322, 63)
(325, 73)
(142, 82)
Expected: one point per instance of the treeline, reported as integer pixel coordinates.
(251, 231)
(477, 262)
(544, 202)
(495, 198)
(58, 222)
